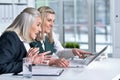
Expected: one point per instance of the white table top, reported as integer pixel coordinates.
(99, 70)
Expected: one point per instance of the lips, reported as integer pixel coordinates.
(37, 34)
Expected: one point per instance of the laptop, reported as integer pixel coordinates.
(87, 60)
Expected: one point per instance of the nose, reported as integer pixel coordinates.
(51, 25)
(39, 29)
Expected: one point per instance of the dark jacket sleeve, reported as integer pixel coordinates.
(11, 53)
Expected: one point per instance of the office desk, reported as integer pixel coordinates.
(98, 70)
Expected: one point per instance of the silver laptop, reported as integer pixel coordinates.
(87, 60)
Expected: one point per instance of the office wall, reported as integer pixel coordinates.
(115, 20)
(10, 9)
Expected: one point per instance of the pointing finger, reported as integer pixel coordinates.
(47, 52)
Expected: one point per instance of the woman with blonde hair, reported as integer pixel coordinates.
(48, 42)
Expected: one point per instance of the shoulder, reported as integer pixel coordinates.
(9, 36)
(8, 33)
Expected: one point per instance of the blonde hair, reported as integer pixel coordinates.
(23, 22)
(44, 10)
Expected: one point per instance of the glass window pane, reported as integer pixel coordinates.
(102, 24)
(75, 22)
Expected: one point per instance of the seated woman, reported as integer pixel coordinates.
(14, 42)
(47, 42)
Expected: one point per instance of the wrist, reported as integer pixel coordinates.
(74, 51)
(52, 62)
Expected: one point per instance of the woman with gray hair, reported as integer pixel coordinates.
(14, 42)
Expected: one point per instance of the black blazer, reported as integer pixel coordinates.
(12, 51)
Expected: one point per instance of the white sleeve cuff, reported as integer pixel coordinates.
(66, 53)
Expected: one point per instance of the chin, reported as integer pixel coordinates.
(34, 37)
(48, 31)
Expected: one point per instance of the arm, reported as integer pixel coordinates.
(57, 45)
(10, 53)
(68, 53)
(61, 52)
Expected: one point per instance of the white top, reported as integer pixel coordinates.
(26, 44)
(43, 46)
(61, 52)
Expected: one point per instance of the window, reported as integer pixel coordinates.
(72, 22)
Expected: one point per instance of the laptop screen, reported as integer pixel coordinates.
(87, 60)
(91, 58)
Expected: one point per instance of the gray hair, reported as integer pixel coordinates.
(23, 22)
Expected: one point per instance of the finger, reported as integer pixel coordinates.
(30, 50)
(33, 54)
(64, 63)
(45, 53)
(60, 64)
(89, 53)
(35, 50)
(84, 52)
(78, 53)
(48, 58)
(83, 56)
(44, 62)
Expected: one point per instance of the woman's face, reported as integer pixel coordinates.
(35, 28)
(48, 22)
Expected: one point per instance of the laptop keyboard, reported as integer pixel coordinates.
(82, 61)
(78, 61)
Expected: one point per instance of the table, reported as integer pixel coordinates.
(106, 69)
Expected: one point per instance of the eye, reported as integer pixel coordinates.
(53, 21)
(39, 24)
(49, 20)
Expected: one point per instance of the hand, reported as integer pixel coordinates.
(32, 53)
(40, 58)
(81, 53)
(59, 62)
(47, 59)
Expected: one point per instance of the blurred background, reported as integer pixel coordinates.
(86, 22)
